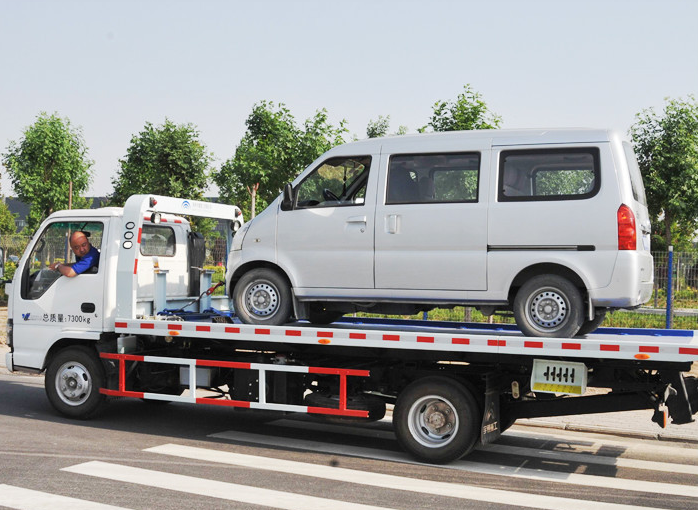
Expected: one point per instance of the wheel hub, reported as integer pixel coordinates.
(73, 383)
(433, 421)
(548, 309)
(262, 299)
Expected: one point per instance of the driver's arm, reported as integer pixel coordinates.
(64, 269)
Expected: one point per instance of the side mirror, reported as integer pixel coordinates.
(2, 263)
(287, 198)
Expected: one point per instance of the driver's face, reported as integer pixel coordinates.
(80, 246)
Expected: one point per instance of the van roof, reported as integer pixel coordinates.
(484, 137)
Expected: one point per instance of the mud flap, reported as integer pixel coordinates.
(490, 426)
(683, 403)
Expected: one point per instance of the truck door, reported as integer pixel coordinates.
(327, 240)
(47, 305)
(431, 225)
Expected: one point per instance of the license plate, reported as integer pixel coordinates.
(559, 377)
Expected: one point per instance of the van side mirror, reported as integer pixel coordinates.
(287, 198)
(2, 263)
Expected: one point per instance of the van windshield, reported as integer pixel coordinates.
(639, 192)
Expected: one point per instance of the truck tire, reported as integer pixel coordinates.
(436, 420)
(263, 296)
(73, 379)
(549, 306)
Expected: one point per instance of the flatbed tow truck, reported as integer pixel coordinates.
(158, 333)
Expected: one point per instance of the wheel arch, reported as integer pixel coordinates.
(546, 268)
(64, 343)
(256, 264)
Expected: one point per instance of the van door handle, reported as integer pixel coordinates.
(392, 224)
(356, 219)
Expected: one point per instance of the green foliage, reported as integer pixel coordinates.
(272, 152)
(378, 128)
(7, 220)
(469, 111)
(44, 162)
(163, 160)
(666, 149)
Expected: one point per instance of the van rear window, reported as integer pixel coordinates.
(639, 192)
(549, 174)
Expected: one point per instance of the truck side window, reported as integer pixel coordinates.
(549, 174)
(158, 241)
(53, 246)
(336, 182)
(433, 178)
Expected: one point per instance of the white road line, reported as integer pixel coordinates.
(213, 488)
(384, 481)
(474, 467)
(27, 499)
(552, 455)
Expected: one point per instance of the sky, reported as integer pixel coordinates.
(111, 66)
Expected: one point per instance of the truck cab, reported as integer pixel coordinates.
(54, 310)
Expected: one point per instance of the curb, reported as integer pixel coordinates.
(634, 434)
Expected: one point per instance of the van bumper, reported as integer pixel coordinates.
(631, 284)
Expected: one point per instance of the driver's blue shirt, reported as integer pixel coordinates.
(88, 261)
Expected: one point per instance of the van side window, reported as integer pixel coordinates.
(158, 241)
(433, 178)
(549, 174)
(336, 182)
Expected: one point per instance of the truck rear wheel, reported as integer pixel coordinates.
(437, 420)
(263, 296)
(549, 306)
(73, 379)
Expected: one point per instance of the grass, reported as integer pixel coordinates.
(618, 319)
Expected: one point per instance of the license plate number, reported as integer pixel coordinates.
(559, 377)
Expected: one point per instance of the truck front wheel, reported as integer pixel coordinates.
(437, 420)
(262, 296)
(73, 379)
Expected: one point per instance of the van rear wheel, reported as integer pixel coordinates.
(549, 306)
(263, 296)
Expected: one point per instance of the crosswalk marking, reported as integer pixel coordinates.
(27, 499)
(577, 457)
(461, 491)
(474, 467)
(213, 488)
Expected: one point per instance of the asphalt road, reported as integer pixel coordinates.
(141, 455)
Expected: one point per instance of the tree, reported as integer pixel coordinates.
(44, 163)
(378, 128)
(469, 111)
(666, 149)
(271, 153)
(7, 220)
(163, 160)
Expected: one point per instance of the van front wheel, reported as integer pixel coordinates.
(549, 306)
(262, 296)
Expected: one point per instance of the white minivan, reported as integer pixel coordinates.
(549, 224)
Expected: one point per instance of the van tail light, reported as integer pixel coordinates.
(626, 224)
